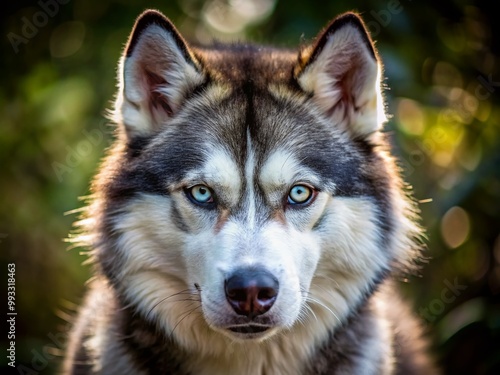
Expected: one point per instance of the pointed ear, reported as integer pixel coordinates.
(342, 72)
(156, 72)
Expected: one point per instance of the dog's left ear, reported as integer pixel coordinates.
(342, 72)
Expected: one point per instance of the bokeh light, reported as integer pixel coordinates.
(455, 227)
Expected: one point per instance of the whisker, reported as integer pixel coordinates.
(314, 300)
(185, 292)
(331, 279)
(310, 310)
(185, 315)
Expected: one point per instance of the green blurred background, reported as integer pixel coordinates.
(58, 63)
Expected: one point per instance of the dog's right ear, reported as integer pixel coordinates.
(157, 71)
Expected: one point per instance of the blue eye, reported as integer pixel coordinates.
(201, 194)
(300, 194)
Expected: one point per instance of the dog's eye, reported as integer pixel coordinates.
(300, 194)
(200, 194)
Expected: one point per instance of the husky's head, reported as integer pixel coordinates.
(249, 191)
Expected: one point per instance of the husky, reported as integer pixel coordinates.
(249, 218)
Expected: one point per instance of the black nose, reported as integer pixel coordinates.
(251, 292)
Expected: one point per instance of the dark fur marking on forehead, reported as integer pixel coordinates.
(251, 125)
(243, 65)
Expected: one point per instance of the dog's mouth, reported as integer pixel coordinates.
(249, 329)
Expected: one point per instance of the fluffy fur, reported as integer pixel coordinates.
(246, 126)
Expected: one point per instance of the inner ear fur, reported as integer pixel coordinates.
(342, 71)
(156, 73)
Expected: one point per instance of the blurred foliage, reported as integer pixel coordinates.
(442, 68)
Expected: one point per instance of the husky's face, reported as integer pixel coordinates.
(247, 188)
(246, 212)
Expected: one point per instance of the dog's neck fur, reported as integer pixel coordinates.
(348, 349)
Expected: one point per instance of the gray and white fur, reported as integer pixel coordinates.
(249, 218)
